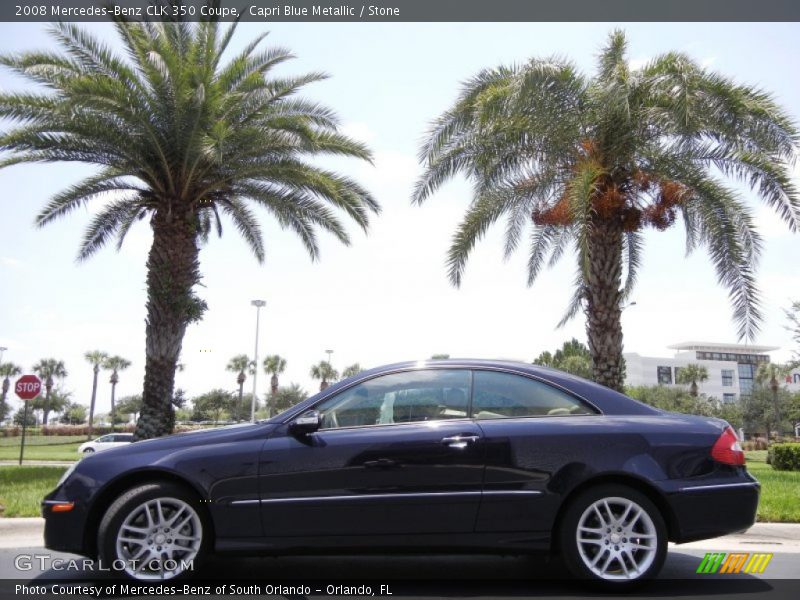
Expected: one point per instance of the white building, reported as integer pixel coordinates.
(731, 368)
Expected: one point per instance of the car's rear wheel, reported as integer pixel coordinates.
(613, 535)
(156, 531)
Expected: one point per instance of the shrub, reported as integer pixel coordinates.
(784, 457)
(757, 443)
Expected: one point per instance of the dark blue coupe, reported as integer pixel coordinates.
(454, 455)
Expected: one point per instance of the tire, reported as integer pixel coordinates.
(611, 559)
(152, 531)
(88, 451)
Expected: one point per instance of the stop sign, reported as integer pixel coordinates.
(28, 387)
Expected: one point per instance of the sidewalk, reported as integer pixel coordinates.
(761, 537)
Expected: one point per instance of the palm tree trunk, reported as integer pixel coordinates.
(172, 271)
(113, 411)
(241, 403)
(603, 296)
(46, 410)
(773, 384)
(274, 384)
(91, 405)
(3, 405)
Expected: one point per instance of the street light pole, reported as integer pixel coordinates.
(2, 351)
(258, 304)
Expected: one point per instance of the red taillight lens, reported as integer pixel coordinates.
(727, 449)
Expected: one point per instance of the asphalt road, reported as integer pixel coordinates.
(448, 576)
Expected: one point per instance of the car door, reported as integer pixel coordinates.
(103, 443)
(531, 431)
(394, 455)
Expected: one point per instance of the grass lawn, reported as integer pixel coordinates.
(22, 488)
(780, 490)
(42, 447)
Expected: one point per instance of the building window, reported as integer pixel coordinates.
(664, 375)
(728, 398)
(746, 376)
(727, 377)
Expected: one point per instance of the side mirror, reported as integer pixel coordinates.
(308, 422)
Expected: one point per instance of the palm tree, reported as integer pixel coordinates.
(325, 373)
(7, 371)
(273, 365)
(181, 140)
(691, 375)
(239, 364)
(767, 374)
(115, 364)
(353, 369)
(49, 369)
(56, 402)
(591, 163)
(96, 359)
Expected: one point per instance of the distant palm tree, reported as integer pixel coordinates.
(7, 371)
(590, 163)
(691, 375)
(353, 369)
(274, 365)
(181, 140)
(115, 364)
(239, 364)
(49, 369)
(325, 373)
(96, 359)
(767, 374)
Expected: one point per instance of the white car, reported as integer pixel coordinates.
(112, 440)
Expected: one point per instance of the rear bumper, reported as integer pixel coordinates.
(710, 510)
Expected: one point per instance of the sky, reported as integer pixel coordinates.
(386, 297)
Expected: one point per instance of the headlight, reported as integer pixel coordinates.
(66, 474)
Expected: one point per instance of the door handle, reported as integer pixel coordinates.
(460, 441)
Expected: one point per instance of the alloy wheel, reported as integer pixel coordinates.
(159, 538)
(616, 539)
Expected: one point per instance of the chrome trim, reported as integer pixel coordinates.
(511, 492)
(718, 486)
(384, 496)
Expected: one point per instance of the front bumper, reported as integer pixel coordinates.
(709, 510)
(64, 530)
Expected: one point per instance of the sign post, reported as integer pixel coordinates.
(26, 388)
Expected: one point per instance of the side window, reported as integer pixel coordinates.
(503, 395)
(104, 440)
(413, 396)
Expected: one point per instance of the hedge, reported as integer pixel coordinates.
(784, 457)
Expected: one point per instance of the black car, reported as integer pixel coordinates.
(455, 455)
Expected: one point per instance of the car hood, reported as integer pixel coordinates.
(177, 441)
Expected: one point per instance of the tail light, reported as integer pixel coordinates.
(727, 449)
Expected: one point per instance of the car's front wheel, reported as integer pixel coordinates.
(88, 451)
(613, 535)
(155, 531)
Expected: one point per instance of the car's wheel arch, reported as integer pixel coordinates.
(636, 483)
(113, 489)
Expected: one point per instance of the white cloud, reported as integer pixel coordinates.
(639, 62)
(13, 263)
(358, 130)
